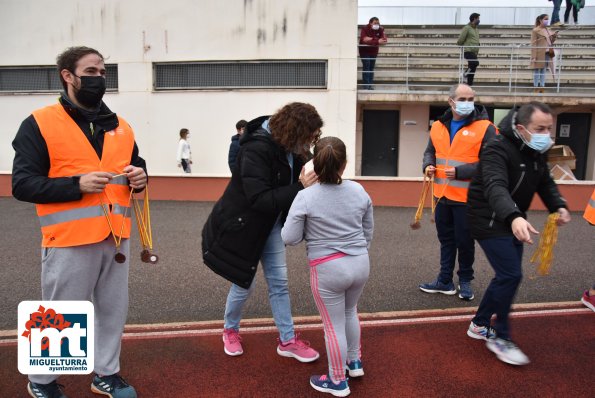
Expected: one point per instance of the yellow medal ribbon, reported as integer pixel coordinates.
(143, 222)
(120, 258)
(428, 185)
(545, 250)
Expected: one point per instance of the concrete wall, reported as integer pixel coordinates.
(135, 33)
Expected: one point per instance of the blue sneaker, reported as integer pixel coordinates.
(465, 291)
(50, 390)
(438, 287)
(355, 368)
(113, 386)
(480, 332)
(323, 383)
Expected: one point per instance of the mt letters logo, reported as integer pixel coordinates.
(56, 337)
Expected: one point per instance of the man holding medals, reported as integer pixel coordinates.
(77, 161)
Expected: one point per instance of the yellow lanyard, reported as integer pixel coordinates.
(428, 185)
(119, 257)
(143, 222)
(545, 250)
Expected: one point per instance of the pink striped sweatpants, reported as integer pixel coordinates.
(336, 286)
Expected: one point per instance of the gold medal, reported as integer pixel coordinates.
(143, 221)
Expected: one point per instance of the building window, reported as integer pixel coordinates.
(35, 79)
(240, 74)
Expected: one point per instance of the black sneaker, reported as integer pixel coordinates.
(113, 386)
(51, 390)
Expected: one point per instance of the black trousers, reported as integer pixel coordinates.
(472, 64)
(569, 6)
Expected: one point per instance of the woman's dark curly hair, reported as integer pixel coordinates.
(296, 127)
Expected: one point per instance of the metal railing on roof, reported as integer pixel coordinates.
(503, 69)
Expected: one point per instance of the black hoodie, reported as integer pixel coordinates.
(508, 176)
(261, 189)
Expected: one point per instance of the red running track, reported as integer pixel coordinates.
(408, 356)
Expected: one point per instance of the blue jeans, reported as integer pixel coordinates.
(454, 236)
(556, 11)
(368, 70)
(505, 255)
(539, 74)
(274, 266)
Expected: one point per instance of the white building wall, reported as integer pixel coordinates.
(135, 33)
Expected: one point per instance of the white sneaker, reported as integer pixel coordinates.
(507, 351)
(480, 332)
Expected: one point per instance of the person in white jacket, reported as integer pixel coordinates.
(184, 154)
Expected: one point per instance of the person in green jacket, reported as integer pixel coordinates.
(469, 39)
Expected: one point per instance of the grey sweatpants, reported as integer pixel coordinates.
(336, 286)
(90, 272)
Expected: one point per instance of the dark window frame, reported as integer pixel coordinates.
(250, 70)
(43, 79)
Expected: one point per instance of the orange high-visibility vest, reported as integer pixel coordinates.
(83, 221)
(590, 210)
(463, 150)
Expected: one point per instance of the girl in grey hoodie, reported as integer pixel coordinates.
(335, 219)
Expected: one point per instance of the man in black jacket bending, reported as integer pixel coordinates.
(512, 168)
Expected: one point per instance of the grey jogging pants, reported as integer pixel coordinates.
(336, 286)
(89, 272)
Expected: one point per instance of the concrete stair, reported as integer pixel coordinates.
(427, 57)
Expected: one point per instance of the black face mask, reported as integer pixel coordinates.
(91, 91)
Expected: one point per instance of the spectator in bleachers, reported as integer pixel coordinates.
(575, 5)
(556, 12)
(469, 39)
(371, 37)
(541, 52)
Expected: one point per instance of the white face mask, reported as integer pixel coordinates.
(545, 22)
(538, 142)
(375, 26)
(464, 108)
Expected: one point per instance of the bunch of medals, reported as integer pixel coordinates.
(143, 222)
(428, 187)
(544, 254)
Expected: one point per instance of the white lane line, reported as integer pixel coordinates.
(316, 326)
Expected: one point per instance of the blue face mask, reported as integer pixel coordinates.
(464, 108)
(540, 142)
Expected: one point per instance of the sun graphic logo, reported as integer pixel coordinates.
(56, 337)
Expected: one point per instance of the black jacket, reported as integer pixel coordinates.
(509, 174)
(234, 148)
(467, 171)
(31, 165)
(260, 190)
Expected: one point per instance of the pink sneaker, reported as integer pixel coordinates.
(232, 342)
(298, 349)
(589, 301)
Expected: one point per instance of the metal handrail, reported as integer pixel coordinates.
(514, 58)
